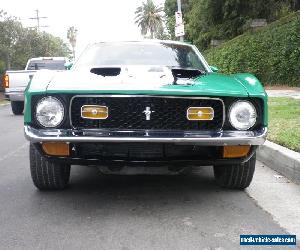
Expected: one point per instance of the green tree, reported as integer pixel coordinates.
(149, 17)
(18, 44)
(36, 44)
(72, 37)
(161, 33)
(215, 19)
(11, 31)
(271, 53)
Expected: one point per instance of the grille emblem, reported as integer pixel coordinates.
(148, 113)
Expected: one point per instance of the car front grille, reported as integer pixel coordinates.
(128, 113)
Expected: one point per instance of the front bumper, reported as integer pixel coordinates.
(204, 138)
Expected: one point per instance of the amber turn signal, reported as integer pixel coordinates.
(200, 114)
(235, 151)
(56, 148)
(94, 112)
(5, 81)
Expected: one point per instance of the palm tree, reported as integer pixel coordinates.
(72, 37)
(149, 18)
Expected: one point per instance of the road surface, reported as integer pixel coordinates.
(120, 212)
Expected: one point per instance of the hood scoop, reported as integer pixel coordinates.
(184, 76)
(150, 75)
(186, 73)
(106, 71)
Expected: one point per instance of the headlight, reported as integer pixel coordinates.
(49, 112)
(242, 115)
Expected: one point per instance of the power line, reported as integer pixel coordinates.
(37, 18)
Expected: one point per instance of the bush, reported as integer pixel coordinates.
(271, 53)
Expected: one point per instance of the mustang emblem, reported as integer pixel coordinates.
(148, 113)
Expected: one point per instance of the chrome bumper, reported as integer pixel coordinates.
(178, 137)
(16, 94)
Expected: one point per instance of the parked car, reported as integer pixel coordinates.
(145, 103)
(16, 81)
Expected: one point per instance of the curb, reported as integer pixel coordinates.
(281, 159)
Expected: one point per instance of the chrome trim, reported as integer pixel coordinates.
(152, 96)
(15, 94)
(213, 113)
(205, 138)
(148, 113)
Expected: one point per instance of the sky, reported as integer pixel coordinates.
(100, 20)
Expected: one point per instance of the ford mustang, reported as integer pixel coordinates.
(144, 104)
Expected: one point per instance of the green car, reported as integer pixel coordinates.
(144, 105)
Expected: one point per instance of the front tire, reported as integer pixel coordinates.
(47, 175)
(237, 176)
(17, 107)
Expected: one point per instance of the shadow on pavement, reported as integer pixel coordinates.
(88, 188)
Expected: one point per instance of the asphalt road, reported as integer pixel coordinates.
(119, 212)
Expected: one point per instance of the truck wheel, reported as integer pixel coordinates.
(47, 175)
(237, 176)
(17, 107)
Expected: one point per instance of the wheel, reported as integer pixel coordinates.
(237, 176)
(17, 107)
(47, 175)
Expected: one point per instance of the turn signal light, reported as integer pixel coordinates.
(5, 81)
(235, 151)
(94, 112)
(200, 114)
(56, 148)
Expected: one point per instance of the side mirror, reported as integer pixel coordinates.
(214, 69)
(68, 65)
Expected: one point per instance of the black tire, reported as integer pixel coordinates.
(237, 176)
(47, 175)
(17, 107)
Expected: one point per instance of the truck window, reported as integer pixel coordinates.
(46, 64)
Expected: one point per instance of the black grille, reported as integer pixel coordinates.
(127, 113)
(143, 151)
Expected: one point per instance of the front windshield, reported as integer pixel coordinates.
(136, 53)
(46, 64)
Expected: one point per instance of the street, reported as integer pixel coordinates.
(122, 212)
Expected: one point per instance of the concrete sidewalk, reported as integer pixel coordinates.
(284, 93)
(281, 159)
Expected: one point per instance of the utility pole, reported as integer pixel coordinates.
(180, 11)
(37, 18)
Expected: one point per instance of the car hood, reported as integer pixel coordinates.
(142, 81)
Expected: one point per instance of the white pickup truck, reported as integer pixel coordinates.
(16, 81)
